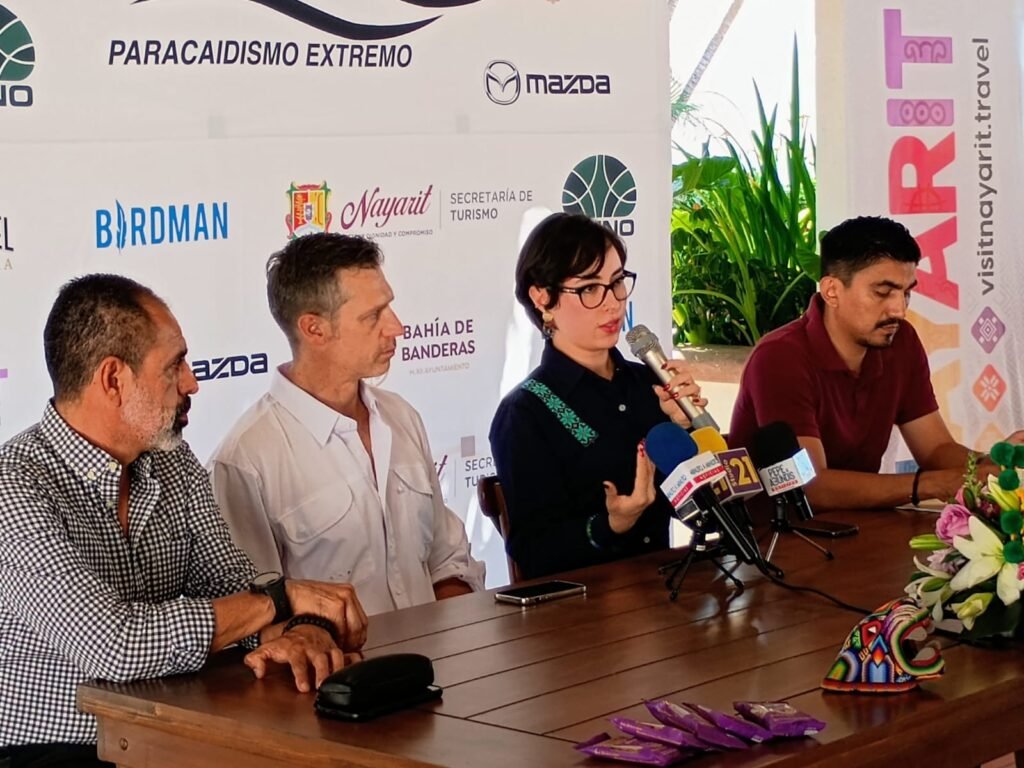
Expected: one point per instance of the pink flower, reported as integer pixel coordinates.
(1020, 572)
(936, 560)
(960, 497)
(953, 522)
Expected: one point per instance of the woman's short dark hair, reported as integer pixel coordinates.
(857, 243)
(302, 276)
(564, 245)
(96, 317)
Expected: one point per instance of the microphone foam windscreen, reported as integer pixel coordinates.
(773, 443)
(640, 339)
(669, 445)
(708, 439)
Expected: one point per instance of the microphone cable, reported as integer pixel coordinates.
(814, 591)
(765, 569)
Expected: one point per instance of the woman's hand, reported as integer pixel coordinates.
(679, 386)
(624, 511)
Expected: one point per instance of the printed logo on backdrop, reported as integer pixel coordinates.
(603, 188)
(438, 345)
(145, 225)
(232, 367)
(6, 248)
(486, 204)
(378, 213)
(475, 466)
(307, 205)
(17, 60)
(988, 330)
(263, 53)
(989, 388)
(504, 84)
(445, 477)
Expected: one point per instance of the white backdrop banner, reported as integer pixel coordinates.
(181, 142)
(920, 119)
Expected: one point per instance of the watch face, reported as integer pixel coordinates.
(265, 580)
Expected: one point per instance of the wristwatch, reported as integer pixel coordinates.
(271, 584)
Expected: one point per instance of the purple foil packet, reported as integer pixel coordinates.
(737, 726)
(779, 717)
(670, 713)
(665, 734)
(631, 750)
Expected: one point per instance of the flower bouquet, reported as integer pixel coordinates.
(971, 580)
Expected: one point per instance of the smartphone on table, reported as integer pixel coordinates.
(540, 593)
(827, 529)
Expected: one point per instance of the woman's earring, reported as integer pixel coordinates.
(549, 324)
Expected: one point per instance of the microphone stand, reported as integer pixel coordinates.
(780, 524)
(706, 545)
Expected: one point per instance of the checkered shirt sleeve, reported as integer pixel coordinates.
(78, 598)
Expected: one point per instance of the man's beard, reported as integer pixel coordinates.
(163, 436)
(891, 328)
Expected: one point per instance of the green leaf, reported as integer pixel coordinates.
(744, 245)
(997, 621)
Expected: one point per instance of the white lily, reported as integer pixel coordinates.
(932, 599)
(984, 553)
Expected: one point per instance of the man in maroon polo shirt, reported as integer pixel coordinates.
(851, 369)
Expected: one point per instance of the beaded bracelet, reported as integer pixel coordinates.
(590, 532)
(914, 498)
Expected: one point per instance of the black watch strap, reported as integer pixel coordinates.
(309, 618)
(271, 584)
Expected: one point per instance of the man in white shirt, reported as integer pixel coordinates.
(326, 474)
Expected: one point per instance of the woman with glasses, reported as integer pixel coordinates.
(568, 441)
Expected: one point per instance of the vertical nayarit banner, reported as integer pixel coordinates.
(920, 119)
(181, 142)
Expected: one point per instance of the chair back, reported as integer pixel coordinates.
(492, 504)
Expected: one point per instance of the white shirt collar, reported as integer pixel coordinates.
(318, 418)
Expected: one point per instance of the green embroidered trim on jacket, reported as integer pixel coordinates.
(578, 428)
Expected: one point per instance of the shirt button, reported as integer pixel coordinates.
(647, 539)
(90, 475)
(112, 466)
(622, 407)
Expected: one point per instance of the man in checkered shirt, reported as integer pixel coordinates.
(114, 560)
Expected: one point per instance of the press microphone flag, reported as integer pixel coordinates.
(645, 347)
(741, 478)
(794, 472)
(676, 456)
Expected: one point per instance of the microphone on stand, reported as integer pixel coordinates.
(785, 468)
(645, 347)
(740, 481)
(689, 474)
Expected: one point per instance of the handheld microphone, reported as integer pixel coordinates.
(783, 466)
(689, 475)
(645, 347)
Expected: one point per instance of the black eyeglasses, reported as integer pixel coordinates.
(593, 295)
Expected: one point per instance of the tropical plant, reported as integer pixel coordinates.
(743, 238)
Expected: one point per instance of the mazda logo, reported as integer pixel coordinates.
(502, 82)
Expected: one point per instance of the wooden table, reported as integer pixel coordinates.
(522, 685)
